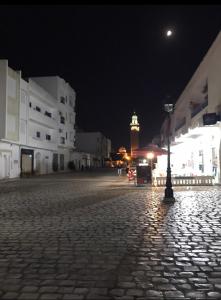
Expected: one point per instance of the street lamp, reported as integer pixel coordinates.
(168, 198)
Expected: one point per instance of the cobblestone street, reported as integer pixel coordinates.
(95, 236)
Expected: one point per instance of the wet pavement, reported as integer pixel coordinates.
(96, 236)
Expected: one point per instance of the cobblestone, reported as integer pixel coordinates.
(95, 236)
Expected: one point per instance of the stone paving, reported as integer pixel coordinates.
(68, 237)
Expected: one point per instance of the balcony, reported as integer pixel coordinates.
(43, 142)
(198, 108)
(42, 119)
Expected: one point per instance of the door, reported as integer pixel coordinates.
(61, 161)
(27, 161)
(55, 162)
(6, 166)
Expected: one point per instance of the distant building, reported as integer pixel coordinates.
(134, 133)
(37, 120)
(96, 144)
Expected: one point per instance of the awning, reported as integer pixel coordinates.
(142, 152)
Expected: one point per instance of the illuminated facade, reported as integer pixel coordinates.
(134, 133)
(32, 124)
(195, 124)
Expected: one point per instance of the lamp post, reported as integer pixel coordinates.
(168, 198)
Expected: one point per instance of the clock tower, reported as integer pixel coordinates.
(134, 133)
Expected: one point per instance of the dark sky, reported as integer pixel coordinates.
(116, 57)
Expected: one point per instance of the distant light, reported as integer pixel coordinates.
(169, 32)
(150, 155)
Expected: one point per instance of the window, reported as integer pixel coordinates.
(38, 108)
(60, 130)
(62, 120)
(38, 134)
(29, 104)
(48, 137)
(62, 140)
(48, 114)
(62, 100)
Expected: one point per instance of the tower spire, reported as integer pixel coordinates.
(134, 125)
(134, 133)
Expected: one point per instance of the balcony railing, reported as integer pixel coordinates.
(42, 119)
(199, 108)
(185, 180)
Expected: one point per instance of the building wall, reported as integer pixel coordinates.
(195, 147)
(3, 96)
(95, 143)
(9, 160)
(30, 123)
(12, 105)
(42, 112)
(214, 71)
(66, 98)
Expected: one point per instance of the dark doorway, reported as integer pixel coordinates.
(27, 162)
(61, 161)
(55, 162)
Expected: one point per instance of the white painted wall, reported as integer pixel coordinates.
(20, 121)
(3, 96)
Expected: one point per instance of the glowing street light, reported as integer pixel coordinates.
(169, 33)
(150, 155)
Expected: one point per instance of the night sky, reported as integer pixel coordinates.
(116, 57)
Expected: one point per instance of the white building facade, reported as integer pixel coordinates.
(37, 130)
(195, 123)
(65, 97)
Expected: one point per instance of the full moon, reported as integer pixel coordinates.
(169, 32)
